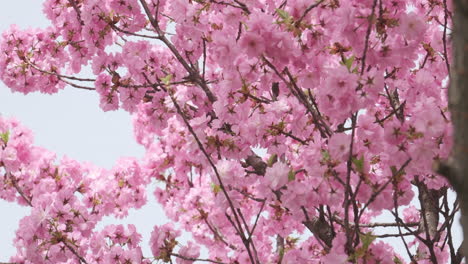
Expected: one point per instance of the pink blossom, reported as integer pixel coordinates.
(253, 44)
(412, 26)
(277, 175)
(191, 251)
(339, 146)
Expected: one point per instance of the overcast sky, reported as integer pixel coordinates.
(68, 123)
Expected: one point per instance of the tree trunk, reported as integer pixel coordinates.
(458, 104)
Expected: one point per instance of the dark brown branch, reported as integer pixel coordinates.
(154, 85)
(430, 217)
(218, 177)
(429, 200)
(401, 223)
(214, 230)
(256, 221)
(59, 75)
(308, 9)
(377, 224)
(393, 235)
(280, 248)
(320, 124)
(77, 11)
(243, 6)
(448, 224)
(395, 104)
(131, 33)
(444, 37)
(376, 193)
(20, 191)
(369, 30)
(394, 111)
(82, 260)
(320, 228)
(79, 86)
(197, 259)
(240, 5)
(315, 112)
(348, 191)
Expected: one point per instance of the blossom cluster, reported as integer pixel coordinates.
(278, 131)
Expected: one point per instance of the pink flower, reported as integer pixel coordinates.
(161, 237)
(337, 254)
(411, 214)
(338, 146)
(253, 44)
(190, 251)
(277, 176)
(10, 158)
(412, 26)
(230, 172)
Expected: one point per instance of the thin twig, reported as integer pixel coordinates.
(197, 259)
(308, 9)
(218, 176)
(444, 37)
(20, 191)
(375, 194)
(60, 75)
(193, 74)
(78, 86)
(131, 33)
(29, 202)
(77, 11)
(395, 205)
(347, 201)
(366, 45)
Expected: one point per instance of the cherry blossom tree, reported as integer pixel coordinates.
(277, 131)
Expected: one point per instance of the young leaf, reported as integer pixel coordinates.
(272, 160)
(283, 14)
(216, 188)
(359, 164)
(291, 175)
(5, 136)
(166, 80)
(349, 62)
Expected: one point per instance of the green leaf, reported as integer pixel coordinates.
(291, 175)
(215, 187)
(283, 14)
(359, 163)
(395, 172)
(325, 155)
(272, 160)
(367, 239)
(396, 260)
(5, 136)
(292, 240)
(166, 80)
(281, 252)
(349, 62)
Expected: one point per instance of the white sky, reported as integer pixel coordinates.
(68, 123)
